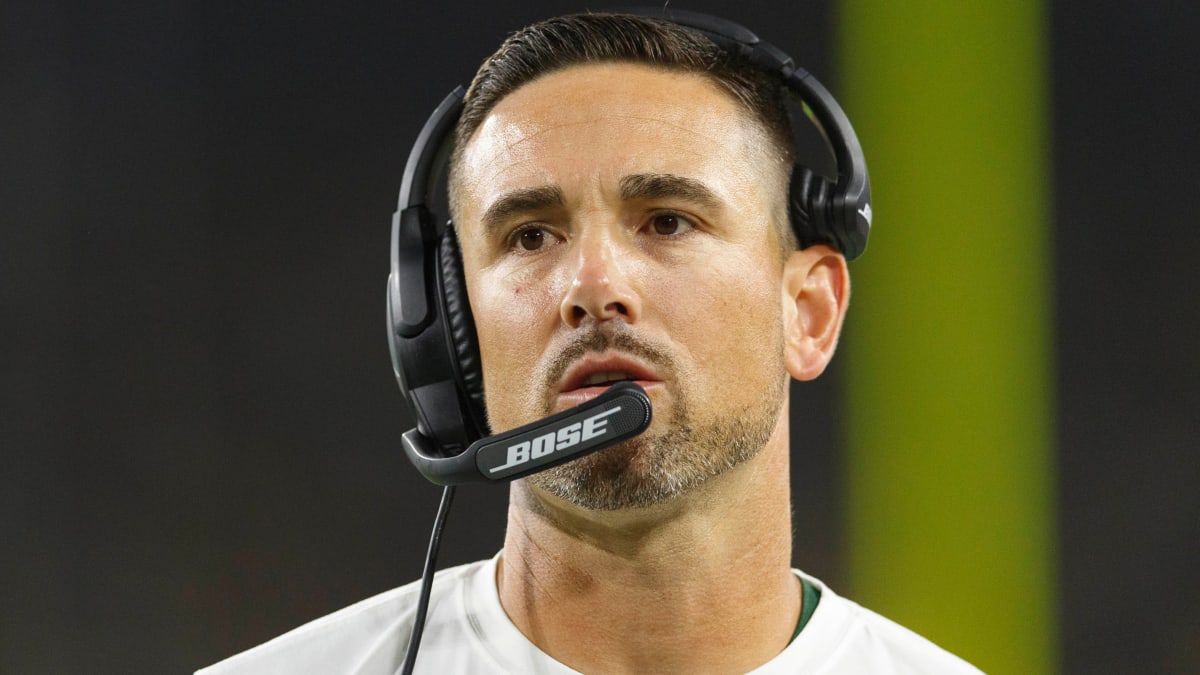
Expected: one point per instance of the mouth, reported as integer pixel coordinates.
(607, 379)
(591, 375)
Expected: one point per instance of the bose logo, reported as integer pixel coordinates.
(865, 212)
(554, 441)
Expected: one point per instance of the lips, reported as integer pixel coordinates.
(607, 378)
(596, 372)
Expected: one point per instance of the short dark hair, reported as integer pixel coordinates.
(576, 39)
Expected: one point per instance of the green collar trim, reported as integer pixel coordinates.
(811, 595)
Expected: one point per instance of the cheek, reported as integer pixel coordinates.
(730, 326)
(511, 323)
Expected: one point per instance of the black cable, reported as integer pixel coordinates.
(435, 542)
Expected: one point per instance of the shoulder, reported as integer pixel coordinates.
(353, 635)
(844, 637)
(903, 650)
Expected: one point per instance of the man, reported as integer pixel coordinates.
(619, 191)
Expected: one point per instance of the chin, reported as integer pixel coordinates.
(648, 470)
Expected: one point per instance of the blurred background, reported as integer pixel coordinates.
(200, 429)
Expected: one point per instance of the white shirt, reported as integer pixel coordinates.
(468, 632)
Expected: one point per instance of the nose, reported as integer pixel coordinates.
(600, 287)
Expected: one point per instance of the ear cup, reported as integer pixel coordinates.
(808, 206)
(461, 327)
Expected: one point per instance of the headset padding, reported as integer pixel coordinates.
(808, 197)
(461, 325)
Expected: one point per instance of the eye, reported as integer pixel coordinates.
(667, 224)
(530, 238)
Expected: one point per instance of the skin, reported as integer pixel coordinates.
(683, 286)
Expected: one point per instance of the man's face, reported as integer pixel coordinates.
(616, 223)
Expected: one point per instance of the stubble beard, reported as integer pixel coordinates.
(650, 469)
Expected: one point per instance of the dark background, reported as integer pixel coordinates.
(198, 422)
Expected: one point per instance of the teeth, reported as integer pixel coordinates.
(605, 377)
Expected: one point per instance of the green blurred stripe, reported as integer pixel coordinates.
(947, 350)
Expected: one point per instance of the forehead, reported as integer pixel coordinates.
(597, 122)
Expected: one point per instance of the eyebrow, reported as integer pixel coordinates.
(666, 185)
(519, 201)
(638, 186)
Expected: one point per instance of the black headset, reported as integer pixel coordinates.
(431, 333)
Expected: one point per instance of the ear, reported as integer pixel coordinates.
(816, 292)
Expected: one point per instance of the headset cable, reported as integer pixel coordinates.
(435, 541)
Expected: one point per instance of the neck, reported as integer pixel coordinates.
(701, 582)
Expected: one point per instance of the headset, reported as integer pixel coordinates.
(431, 333)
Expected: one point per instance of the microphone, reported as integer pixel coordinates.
(621, 412)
